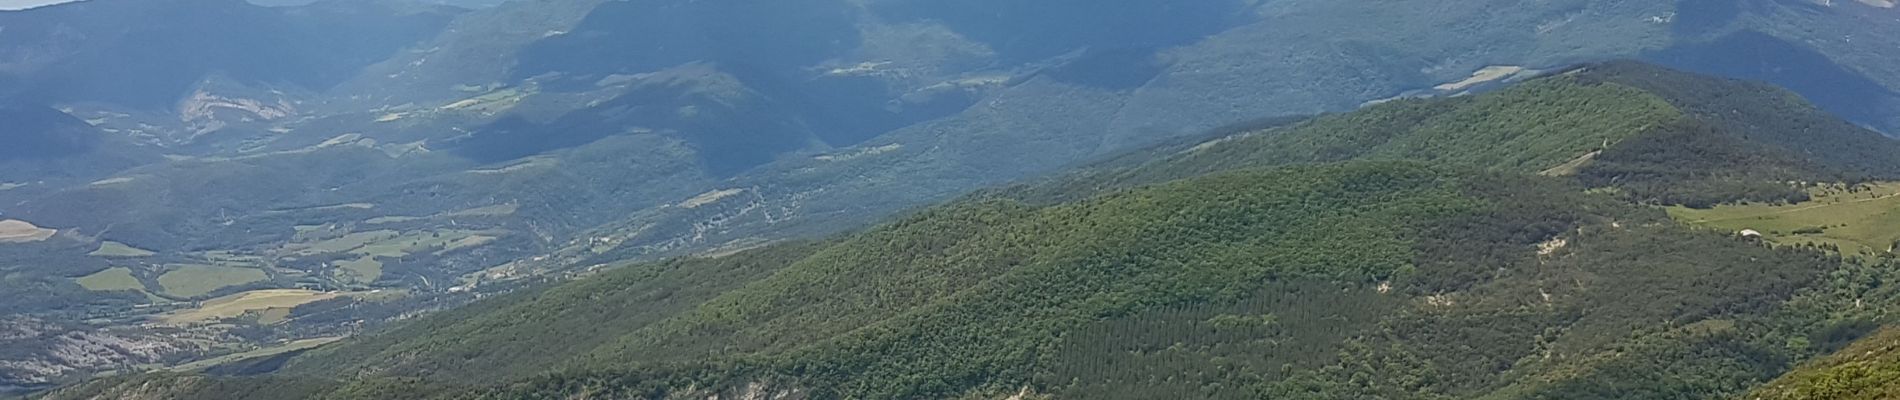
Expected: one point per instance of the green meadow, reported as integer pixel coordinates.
(198, 280)
(1860, 220)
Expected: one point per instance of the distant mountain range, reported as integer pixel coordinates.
(447, 151)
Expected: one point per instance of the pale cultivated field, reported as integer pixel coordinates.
(241, 303)
(17, 231)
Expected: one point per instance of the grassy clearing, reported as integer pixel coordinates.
(498, 210)
(17, 231)
(334, 207)
(1573, 166)
(489, 211)
(492, 102)
(197, 280)
(465, 243)
(230, 258)
(388, 220)
(413, 242)
(346, 243)
(362, 270)
(389, 243)
(709, 198)
(116, 249)
(531, 162)
(263, 352)
(1487, 74)
(241, 303)
(273, 316)
(111, 279)
(1861, 221)
(113, 181)
(487, 104)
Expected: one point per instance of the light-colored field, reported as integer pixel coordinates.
(709, 197)
(197, 280)
(488, 211)
(230, 258)
(531, 162)
(112, 181)
(17, 231)
(466, 243)
(383, 220)
(497, 210)
(1865, 221)
(263, 352)
(340, 140)
(238, 304)
(864, 152)
(492, 102)
(413, 242)
(1487, 74)
(342, 244)
(273, 316)
(350, 206)
(390, 243)
(487, 104)
(116, 249)
(111, 279)
(1571, 167)
(362, 270)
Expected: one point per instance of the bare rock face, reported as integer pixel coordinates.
(49, 353)
(156, 389)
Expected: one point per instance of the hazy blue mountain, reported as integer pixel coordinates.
(44, 133)
(47, 147)
(1266, 59)
(133, 53)
(458, 3)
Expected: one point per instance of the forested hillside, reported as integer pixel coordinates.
(185, 183)
(1868, 369)
(1483, 246)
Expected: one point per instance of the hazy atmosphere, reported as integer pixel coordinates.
(949, 199)
(23, 4)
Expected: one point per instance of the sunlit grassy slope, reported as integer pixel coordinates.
(1859, 220)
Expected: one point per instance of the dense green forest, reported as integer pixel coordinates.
(1497, 246)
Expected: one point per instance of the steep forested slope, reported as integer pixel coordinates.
(1466, 247)
(556, 136)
